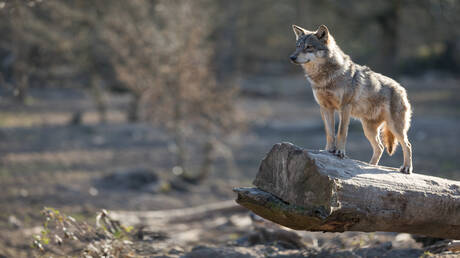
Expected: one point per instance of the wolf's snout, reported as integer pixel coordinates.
(293, 58)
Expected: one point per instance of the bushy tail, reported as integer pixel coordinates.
(389, 140)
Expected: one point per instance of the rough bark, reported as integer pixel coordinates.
(316, 191)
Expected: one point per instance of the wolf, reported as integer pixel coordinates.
(353, 90)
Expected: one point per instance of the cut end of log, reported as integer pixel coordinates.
(292, 216)
(309, 189)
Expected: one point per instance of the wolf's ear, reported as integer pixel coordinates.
(299, 31)
(322, 33)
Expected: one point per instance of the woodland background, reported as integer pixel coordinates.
(152, 105)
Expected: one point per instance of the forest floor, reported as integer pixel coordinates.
(46, 161)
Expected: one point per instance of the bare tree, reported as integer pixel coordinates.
(164, 56)
(132, 34)
(17, 19)
(50, 34)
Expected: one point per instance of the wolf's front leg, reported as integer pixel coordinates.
(329, 126)
(344, 115)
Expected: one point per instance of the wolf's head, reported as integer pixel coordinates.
(311, 46)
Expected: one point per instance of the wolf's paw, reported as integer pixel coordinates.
(340, 153)
(406, 169)
(331, 150)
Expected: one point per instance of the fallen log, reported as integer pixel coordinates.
(316, 191)
(131, 218)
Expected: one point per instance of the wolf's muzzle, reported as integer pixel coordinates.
(293, 58)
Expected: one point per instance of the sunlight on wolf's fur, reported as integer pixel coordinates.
(353, 90)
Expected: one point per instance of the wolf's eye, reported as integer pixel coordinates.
(308, 48)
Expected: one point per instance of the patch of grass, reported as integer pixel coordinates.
(426, 254)
(82, 217)
(108, 238)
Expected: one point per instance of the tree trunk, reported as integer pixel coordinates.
(133, 109)
(22, 85)
(316, 191)
(205, 168)
(99, 99)
(388, 20)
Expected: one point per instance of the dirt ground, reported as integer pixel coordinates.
(47, 161)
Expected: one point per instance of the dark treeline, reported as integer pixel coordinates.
(49, 40)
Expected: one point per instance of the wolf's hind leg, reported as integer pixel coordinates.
(371, 131)
(399, 130)
(399, 125)
(329, 126)
(407, 151)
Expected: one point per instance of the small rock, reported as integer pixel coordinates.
(23, 192)
(386, 245)
(404, 240)
(228, 252)
(93, 191)
(176, 250)
(403, 237)
(311, 241)
(15, 222)
(241, 221)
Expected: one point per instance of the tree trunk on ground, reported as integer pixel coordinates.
(175, 215)
(316, 191)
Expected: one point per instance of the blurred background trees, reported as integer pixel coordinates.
(182, 61)
(167, 65)
(398, 36)
(117, 42)
(130, 104)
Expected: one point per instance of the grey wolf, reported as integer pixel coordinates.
(356, 91)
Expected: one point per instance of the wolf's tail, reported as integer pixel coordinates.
(389, 140)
